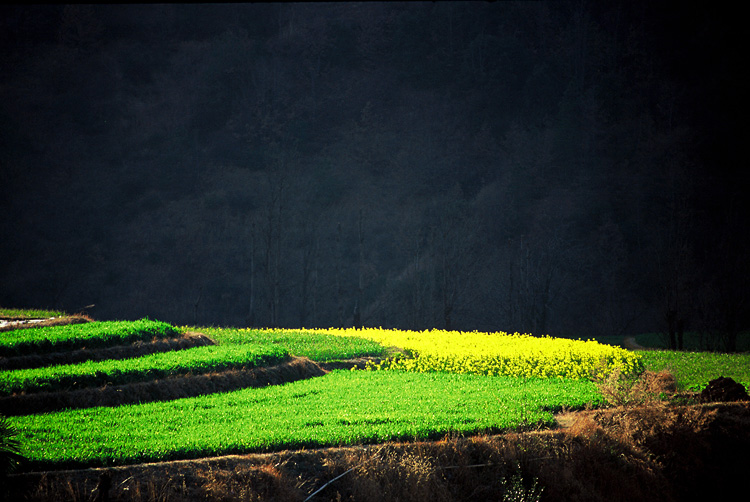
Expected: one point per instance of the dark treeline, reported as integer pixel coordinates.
(545, 167)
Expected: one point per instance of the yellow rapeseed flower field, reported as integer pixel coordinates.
(499, 353)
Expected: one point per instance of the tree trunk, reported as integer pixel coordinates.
(339, 289)
(671, 329)
(360, 287)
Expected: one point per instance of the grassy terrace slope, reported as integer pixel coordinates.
(319, 346)
(72, 336)
(438, 384)
(341, 408)
(195, 361)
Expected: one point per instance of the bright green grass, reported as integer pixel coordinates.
(73, 336)
(320, 347)
(30, 313)
(693, 370)
(196, 360)
(341, 408)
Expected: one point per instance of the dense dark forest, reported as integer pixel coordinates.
(569, 168)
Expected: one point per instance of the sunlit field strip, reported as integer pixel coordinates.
(693, 370)
(196, 360)
(341, 408)
(497, 353)
(319, 346)
(30, 313)
(92, 334)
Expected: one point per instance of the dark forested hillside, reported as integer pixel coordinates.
(552, 167)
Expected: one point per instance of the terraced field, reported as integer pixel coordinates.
(116, 363)
(54, 379)
(104, 397)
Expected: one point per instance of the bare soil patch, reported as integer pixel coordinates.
(13, 323)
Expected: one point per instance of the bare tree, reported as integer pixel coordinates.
(339, 285)
(80, 27)
(273, 225)
(251, 229)
(724, 299)
(538, 267)
(674, 256)
(617, 311)
(360, 273)
(456, 260)
(309, 272)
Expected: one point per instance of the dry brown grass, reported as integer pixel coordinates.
(627, 390)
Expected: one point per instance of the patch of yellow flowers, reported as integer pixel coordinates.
(497, 353)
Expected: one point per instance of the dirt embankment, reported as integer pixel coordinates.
(178, 386)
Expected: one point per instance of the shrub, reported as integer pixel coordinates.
(10, 455)
(515, 491)
(621, 389)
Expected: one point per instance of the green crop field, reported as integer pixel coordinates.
(693, 370)
(320, 347)
(432, 384)
(341, 408)
(71, 336)
(161, 365)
